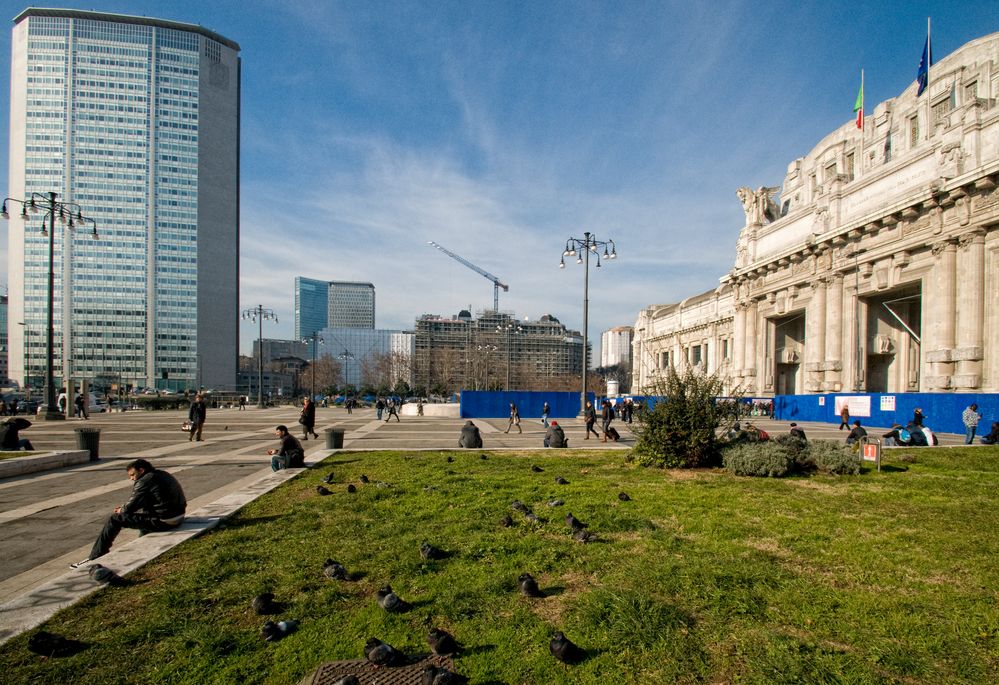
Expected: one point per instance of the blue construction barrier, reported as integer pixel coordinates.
(942, 411)
(493, 404)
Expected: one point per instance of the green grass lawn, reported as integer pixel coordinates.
(701, 577)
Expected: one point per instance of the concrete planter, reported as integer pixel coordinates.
(19, 466)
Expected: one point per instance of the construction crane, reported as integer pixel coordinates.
(497, 284)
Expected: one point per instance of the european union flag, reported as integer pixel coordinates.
(923, 74)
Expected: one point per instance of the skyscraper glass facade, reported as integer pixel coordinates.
(351, 305)
(311, 306)
(112, 121)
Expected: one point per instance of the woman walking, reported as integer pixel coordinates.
(308, 418)
(514, 419)
(590, 414)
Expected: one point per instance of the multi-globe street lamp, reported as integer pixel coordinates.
(257, 315)
(70, 215)
(343, 357)
(315, 339)
(581, 249)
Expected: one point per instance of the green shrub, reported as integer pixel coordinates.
(680, 431)
(833, 457)
(767, 459)
(798, 450)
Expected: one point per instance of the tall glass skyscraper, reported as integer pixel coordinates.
(311, 306)
(137, 121)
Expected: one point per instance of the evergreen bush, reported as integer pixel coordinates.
(835, 458)
(680, 431)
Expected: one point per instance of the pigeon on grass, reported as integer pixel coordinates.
(322, 491)
(382, 654)
(574, 523)
(272, 632)
(559, 480)
(429, 552)
(623, 496)
(334, 570)
(264, 604)
(434, 675)
(563, 649)
(442, 643)
(49, 644)
(391, 602)
(529, 586)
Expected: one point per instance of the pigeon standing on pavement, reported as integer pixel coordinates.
(102, 574)
(529, 586)
(391, 602)
(563, 649)
(382, 654)
(434, 675)
(348, 680)
(334, 570)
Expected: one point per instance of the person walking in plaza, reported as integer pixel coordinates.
(349, 405)
(419, 407)
(196, 415)
(308, 418)
(242, 402)
(606, 416)
(79, 403)
(514, 419)
(970, 417)
(157, 503)
(844, 417)
(290, 454)
(545, 412)
(590, 417)
(393, 410)
(379, 408)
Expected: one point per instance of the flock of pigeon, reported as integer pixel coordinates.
(442, 644)
(378, 653)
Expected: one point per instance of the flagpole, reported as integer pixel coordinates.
(863, 122)
(929, 61)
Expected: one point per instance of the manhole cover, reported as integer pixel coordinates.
(410, 674)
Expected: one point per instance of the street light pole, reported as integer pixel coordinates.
(344, 356)
(315, 339)
(581, 248)
(70, 214)
(257, 315)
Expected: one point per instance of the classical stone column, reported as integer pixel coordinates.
(970, 312)
(749, 367)
(833, 366)
(815, 337)
(738, 343)
(941, 313)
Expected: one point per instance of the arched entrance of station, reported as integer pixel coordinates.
(893, 338)
(788, 336)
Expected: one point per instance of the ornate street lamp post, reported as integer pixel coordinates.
(315, 339)
(343, 357)
(257, 315)
(69, 214)
(581, 249)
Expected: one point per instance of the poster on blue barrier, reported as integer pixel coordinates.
(858, 405)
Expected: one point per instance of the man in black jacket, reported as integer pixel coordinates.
(290, 455)
(196, 415)
(470, 436)
(157, 503)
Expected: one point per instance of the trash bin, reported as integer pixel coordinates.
(88, 439)
(334, 438)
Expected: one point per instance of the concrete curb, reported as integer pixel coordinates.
(37, 606)
(19, 466)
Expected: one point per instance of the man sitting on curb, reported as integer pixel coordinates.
(470, 436)
(157, 503)
(555, 436)
(290, 455)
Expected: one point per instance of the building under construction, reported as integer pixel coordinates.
(495, 351)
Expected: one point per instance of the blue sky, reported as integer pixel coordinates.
(499, 129)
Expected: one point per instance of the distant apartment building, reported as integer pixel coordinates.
(369, 357)
(351, 305)
(136, 120)
(281, 349)
(493, 351)
(615, 346)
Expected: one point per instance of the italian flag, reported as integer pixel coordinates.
(858, 106)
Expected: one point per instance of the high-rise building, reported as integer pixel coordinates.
(615, 346)
(351, 305)
(311, 306)
(137, 121)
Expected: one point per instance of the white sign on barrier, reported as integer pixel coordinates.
(887, 403)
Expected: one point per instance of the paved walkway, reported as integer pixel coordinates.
(50, 519)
